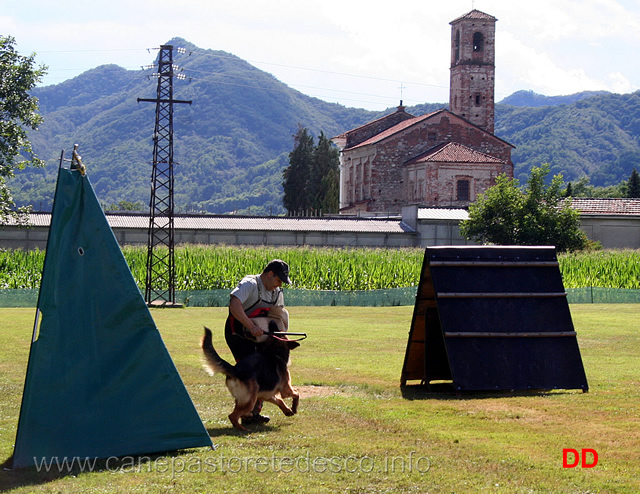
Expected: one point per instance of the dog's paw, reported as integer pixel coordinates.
(236, 423)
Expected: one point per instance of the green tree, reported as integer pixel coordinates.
(331, 186)
(569, 190)
(633, 184)
(126, 206)
(311, 180)
(296, 175)
(18, 113)
(324, 183)
(582, 188)
(537, 214)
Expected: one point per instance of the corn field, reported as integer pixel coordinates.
(604, 269)
(200, 267)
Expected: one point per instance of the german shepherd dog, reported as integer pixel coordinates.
(263, 375)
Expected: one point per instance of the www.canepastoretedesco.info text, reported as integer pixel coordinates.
(234, 464)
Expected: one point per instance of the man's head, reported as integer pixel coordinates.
(280, 269)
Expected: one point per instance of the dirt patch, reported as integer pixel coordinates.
(504, 410)
(322, 391)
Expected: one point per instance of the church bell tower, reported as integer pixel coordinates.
(471, 93)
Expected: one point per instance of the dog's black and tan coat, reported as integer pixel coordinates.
(263, 375)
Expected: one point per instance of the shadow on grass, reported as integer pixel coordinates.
(444, 392)
(58, 468)
(232, 431)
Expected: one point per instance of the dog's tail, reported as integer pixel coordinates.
(212, 361)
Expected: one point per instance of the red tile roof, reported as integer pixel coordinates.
(411, 122)
(605, 206)
(396, 128)
(454, 152)
(475, 14)
(373, 122)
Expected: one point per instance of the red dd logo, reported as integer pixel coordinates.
(571, 458)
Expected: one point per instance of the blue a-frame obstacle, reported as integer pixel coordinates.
(492, 318)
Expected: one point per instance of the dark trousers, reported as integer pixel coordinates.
(240, 346)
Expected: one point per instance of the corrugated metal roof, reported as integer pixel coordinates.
(40, 219)
(586, 206)
(455, 214)
(290, 224)
(211, 222)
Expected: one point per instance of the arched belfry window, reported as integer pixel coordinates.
(478, 41)
(457, 45)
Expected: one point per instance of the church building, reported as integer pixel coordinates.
(445, 158)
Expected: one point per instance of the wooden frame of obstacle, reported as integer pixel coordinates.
(492, 318)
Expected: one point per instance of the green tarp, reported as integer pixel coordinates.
(100, 381)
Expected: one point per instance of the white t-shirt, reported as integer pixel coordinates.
(253, 295)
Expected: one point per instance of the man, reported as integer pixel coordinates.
(254, 296)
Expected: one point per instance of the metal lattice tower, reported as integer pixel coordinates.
(160, 283)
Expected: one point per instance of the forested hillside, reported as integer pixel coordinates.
(232, 142)
(598, 136)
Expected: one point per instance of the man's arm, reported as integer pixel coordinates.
(236, 310)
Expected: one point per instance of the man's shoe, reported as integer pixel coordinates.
(255, 419)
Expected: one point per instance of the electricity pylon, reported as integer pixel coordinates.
(160, 282)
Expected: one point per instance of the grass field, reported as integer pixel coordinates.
(355, 431)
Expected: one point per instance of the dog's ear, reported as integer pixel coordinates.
(292, 344)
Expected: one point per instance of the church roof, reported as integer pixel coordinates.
(405, 124)
(475, 14)
(454, 152)
(395, 129)
(373, 123)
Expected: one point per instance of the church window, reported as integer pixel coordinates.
(478, 100)
(478, 41)
(457, 45)
(462, 190)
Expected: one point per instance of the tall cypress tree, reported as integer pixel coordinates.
(297, 175)
(633, 184)
(324, 185)
(311, 181)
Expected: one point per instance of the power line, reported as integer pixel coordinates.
(212, 76)
(292, 85)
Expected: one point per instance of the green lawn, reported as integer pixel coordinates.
(355, 432)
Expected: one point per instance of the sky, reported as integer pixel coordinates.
(357, 53)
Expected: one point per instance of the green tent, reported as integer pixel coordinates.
(100, 381)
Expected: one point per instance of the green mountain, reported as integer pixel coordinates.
(232, 143)
(598, 136)
(529, 98)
